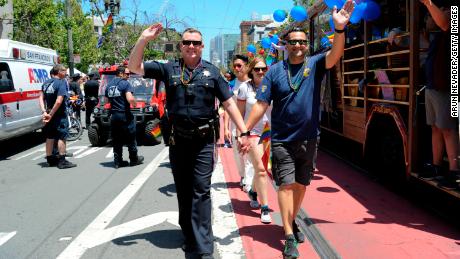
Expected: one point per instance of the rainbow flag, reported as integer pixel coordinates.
(266, 134)
(108, 27)
(266, 159)
(156, 132)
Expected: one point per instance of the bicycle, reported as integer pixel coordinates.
(75, 127)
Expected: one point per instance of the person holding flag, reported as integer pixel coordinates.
(246, 99)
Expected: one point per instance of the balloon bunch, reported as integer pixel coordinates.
(298, 14)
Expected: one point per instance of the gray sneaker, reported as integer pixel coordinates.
(290, 248)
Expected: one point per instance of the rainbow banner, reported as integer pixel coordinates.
(266, 134)
(108, 27)
(156, 132)
(266, 159)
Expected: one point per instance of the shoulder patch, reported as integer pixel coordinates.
(264, 88)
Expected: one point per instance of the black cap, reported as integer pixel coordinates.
(76, 76)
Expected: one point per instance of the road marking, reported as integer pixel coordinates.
(89, 152)
(224, 224)
(31, 153)
(92, 235)
(5, 236)
(78, 149)
(110, 154)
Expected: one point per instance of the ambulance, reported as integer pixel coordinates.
(23, 69)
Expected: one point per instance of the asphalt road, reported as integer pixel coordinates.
(90, 211)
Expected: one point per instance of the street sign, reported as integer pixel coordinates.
(76, 58)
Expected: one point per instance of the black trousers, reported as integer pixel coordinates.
(123, 128)
(89, 110)
(192, 163)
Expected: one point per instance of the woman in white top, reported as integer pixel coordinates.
(246, 99)
(240, 68)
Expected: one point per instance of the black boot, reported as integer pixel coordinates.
(135, 160)
(64, 164)
(122, 163)
(52, 160)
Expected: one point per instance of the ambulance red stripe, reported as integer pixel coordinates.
(12, 97)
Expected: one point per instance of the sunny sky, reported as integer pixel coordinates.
(211, 17)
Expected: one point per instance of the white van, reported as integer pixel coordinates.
(23, 69)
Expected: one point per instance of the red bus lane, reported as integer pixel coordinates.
(359, 218)
(259, 240)
(362, 219)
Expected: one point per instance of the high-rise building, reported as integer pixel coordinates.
(221, 49)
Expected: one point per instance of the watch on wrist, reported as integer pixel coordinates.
(339, 31)
(247, 133)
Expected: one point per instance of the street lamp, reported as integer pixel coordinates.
(113, 6)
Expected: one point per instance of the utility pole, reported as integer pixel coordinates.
(69, 35)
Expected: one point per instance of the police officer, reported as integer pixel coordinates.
(123, 127)
(75, 90)
(53, 102)
(192, 85)
(91, 89)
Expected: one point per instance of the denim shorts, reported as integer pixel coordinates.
(57, 128)
(293, 162)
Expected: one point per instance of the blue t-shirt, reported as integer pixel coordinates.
(53, 88)
(116, 92)
(295, 115)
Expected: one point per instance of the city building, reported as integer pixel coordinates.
(222, 48)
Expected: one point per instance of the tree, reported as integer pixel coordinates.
(43, 23)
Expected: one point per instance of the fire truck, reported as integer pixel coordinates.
(23, 69)
(150, 97)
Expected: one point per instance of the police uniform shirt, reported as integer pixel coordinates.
(295, 115)
(116, 92)
(195, 100)
(91, 88)
(53, 88)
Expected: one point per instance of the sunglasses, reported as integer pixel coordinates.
(294, 42)
(260, 69)
(237, 66)
(193, 42)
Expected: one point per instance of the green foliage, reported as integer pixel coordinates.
(3, 2)
(43, 23)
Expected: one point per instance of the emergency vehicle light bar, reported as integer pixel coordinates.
(16, 53)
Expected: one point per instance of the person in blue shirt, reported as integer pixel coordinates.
(123, 126)
(294, 86)
(53, 102)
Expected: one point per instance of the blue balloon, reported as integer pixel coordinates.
(299, 14)
(275, 39)
(332, 3)
(372, 11)
(266, 43)
(331, 23)
(279, 15)
(358, 13)
(251, 48)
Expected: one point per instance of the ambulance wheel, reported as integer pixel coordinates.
(152, 132)
(95, 136)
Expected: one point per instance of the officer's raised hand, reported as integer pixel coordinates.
(152, 32)
(137, 53)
